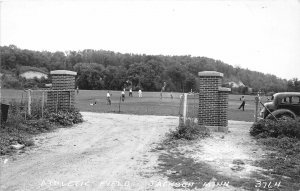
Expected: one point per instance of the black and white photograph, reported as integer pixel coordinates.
(149, 95)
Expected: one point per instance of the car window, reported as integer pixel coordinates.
(284, 100)
(295, 100)
(290, 100)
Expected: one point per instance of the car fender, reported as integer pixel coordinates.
(282, 111)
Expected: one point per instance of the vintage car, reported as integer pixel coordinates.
(284, 104)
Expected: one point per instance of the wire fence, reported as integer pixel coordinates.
(188, 107)
(32, 104)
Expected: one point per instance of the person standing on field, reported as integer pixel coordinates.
(140, 93)
(108, 98)
(243, 103)
(123, 95)
(130, 92)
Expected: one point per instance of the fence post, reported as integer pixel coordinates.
(179, 111)
(43, 100)
(29, 101)
(184, 107)
(256, 108)
(120, 105)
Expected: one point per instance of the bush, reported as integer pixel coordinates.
(283, 137)
(282, 143)
(271, 128)
(190, 131)
(65, 118)
(19, 130)
(36, 126)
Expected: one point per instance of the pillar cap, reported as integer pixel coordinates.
(210, 73)
(63, 72)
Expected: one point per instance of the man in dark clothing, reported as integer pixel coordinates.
(243, 103)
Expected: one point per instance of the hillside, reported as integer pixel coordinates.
(100, 69)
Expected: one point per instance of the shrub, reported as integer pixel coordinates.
(282, 136)
(19, 130)
(271, 128)
(190, 131)
(35, 126)
(282, 143)
(65, 118)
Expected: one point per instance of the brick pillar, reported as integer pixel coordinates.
(213, 101)
(63, 80)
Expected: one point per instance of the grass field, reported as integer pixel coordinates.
(149, 104)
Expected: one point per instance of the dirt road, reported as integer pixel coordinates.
(115, 152)
(103, 153)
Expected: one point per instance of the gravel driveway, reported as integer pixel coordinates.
(115, 152)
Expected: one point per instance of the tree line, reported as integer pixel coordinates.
(100, 69)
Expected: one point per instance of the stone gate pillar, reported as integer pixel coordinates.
(213, 101)
(63, 95)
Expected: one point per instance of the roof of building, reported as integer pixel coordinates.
(210, 73)
(63, 72)
(24, 69)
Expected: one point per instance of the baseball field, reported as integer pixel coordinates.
(149, 104)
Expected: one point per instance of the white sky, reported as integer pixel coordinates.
(260, 35)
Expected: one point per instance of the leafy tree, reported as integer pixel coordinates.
(114, 77)
(144, 75)
(293, 85)
(177, 73)
(90, 75)
(145, 71)
(190, 83)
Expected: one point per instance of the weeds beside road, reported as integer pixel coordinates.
(282, 138)
(213, 161)
(20, 131)
(197, 159)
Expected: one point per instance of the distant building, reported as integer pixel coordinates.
(235, 85)
(32, 72)
(238, 87)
